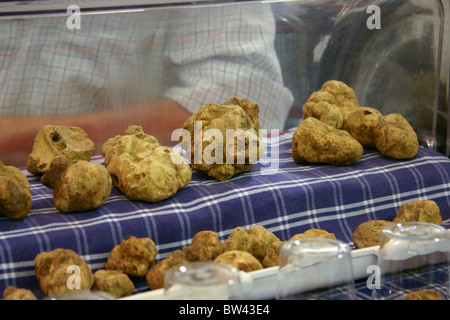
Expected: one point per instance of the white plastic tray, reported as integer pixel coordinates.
(261, 284)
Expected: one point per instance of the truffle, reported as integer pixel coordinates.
(133, 256)
(224, 139)
(72, 143)
(205, 246)
(142, 168)
(114, 282)
(77, 185)
(15, 194)
(331, 104)
(241, 260)
(316, 142)
(419, 210)
(62, 270)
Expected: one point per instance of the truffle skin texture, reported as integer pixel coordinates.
(113, 282)
(272, 257)
(368, 233)
(72, 143)
(210, 145)
(314, 233)
(142, 168)
(361, 124)
(395, 138)
(316, 142)
(255, 241)
(77, 185)
(424, 294)
(15, 194)
(205, 246)
(241, 260)
(52, 271)
(419, 210)
(13, 293)
(331, 104)
(134, 256)
(155, 275)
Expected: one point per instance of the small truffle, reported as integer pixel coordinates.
(368, 233)
(316, 142)
(205, 246)
(77, 185)
(314, 233)
(72, 143)
(155, 275)
(113, 282)
(272, 257)
(255, 241)
(134, 256)
(13, 293)
(15, 194)
(424, 294)
(419, 210)
(62, 270)
(241, 260)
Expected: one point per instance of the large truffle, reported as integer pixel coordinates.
(62, 270)
(224, 139)
(361, 124)
(317, 142)
(70, 142)
(395, 138)
(77, 185)
(15, 194)
(142, 168)
(134, 256)
(331, 104)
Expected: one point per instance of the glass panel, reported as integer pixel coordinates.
(152, 63)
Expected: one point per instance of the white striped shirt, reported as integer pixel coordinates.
(193, 56)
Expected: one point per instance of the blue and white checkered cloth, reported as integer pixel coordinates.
(192, 55)
(284, 197)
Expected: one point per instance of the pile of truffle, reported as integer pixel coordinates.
(335, 128)
(247, 250)
(135, 162)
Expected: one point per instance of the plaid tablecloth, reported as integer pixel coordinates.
(284, 197)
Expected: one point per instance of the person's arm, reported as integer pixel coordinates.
(159, 118)
(225, 51)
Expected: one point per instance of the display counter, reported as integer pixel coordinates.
(284, 197)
